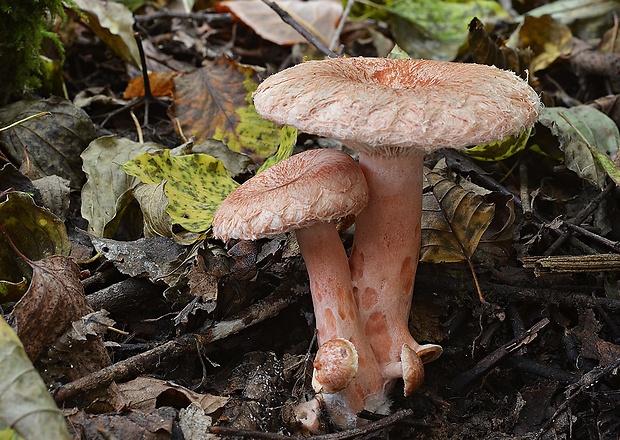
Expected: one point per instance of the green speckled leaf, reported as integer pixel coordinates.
(501, 149)
(195, 186)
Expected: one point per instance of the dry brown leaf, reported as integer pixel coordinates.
(154, 424)
(161, 84)
(80, 350)
(54, 300)
(215, 102)
(147, 393)
(453, 221)
(318, 16)
(484, 50)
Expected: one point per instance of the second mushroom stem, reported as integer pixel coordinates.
(384, 260)
(338, 317)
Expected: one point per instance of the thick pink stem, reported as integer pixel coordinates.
(337, 316)
(385, 253)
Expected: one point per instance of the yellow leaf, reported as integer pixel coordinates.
(195, 185)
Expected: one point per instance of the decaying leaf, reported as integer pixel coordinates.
(318, 16)
(548, 39)
(80, 350)
(195, 185)
(495, 53)
(157, 258)
(437, 29)
(113, 23)
(586, 136)
(102, 195)
(154, 424)
(36, 232)
(25, 403)
(453, 221)
(55, 194)
(50, 145)
(160, 83)
(215, 102)
(54, 300)
(145, 393)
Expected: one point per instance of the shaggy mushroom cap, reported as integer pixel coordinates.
(307, 188)
(378, 105)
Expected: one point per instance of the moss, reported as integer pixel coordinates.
(23, 27)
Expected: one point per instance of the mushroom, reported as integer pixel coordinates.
(393, 112)
(305, 193)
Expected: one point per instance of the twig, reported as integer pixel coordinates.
(492, 359)
(351, 433)
(580, 218)
(343, 20)
(132, 367)
(586, 381)
(464, 165)
(288, 19)
(206, 17)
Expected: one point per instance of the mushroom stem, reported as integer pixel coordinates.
(337, 317)
(385, 256)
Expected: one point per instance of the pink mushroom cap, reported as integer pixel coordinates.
(378, 105)
(307, 188)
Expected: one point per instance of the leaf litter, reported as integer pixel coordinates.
(224, 335)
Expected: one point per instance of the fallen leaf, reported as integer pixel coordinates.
(437, 29)
(160, 83)
(485, 50)
(49, 145)
(36, 232)
(215, 102)
(146, 393)
(53, 301)
(500, 149)
(102, 194)
(586, 136)
(157, 258)
(113, 23)
(318, 16)
(80, 350)
(154, 424)
(195, 185)
(453, 221)
(547, 38)
(55, 194)
(25, 403)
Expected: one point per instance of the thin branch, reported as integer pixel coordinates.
(344, 435)
(312, 39)
(206, 17)
(134, 366)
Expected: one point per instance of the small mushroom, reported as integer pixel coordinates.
(305, 193)
(393, 112)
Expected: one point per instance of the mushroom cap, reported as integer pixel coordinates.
(387, 106)
(335, 366)
(309, 187)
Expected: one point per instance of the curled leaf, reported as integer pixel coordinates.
(453, 221)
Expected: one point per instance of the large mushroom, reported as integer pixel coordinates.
(305, 193)
(393, 112)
